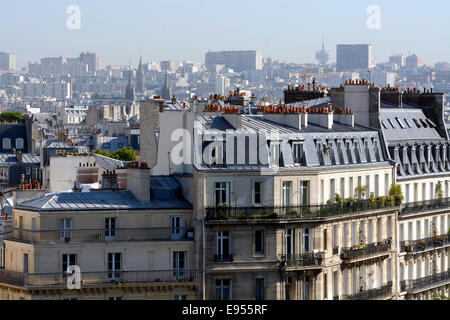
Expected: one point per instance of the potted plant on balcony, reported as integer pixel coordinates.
(221, 211)
(397, 194)
(360, 192)
(439, 192)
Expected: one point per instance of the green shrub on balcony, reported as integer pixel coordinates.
(397, 194)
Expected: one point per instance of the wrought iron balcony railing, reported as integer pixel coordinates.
(365, 250)
(94, 235)
(301, 260)
(371, 294)
(99, 278)
(291, 212)
(424, 244)
(426, 282)
(415, 207)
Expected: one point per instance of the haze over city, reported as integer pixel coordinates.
(120, 31)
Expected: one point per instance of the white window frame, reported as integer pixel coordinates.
(113, 273)
(110, 228)
(19, 144)
(179, 262)
(222, 186)
(304, 185)
(286, 193)
(65, 228)
(297, 150)
(221, 287)
(6, 144)
(220, 239)
(216, 156)
(275, 154)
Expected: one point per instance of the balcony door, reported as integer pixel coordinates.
(179, 265)
(65, 228)
(289, 243)
(110, 229)
(176, 226)
(114, 266)
(223, 247)
(222, 193)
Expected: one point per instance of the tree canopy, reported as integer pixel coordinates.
(11, 117)
(124, 154)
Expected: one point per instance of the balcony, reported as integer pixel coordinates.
(427, 205)
(366, 251)
(293, 212)
(413, 246)
(93, 235)
(425, 283)
(304, 260)
(371, 294)
(112, 278)
(223, 258)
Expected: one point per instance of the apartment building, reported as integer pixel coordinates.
(128, 244)
(269, 227)
(413, 129)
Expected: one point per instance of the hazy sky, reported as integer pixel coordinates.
(119, 31)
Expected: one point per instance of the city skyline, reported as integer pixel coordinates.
(120, 32)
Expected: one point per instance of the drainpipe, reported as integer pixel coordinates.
(203, 259)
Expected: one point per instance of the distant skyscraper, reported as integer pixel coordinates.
(398, 59)
(350, 57)
(323, 56)
(91, 60)
(140, 83)
(165, 91)
(130, 91)
(7, 61)
(237, 60)
(413, 61)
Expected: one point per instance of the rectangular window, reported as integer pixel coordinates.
(259, 242)
(110, 229)
(406, 193)
(7, 144)
(322, 191)
(179, 297)
(325, 239)
(259, 289)
(354, 239)
(222, 193)
(368, 187)
(325, 287)
(179, 265)
(389, 227)
(298, 152)
(335, 284)
(345, 235)
(304, 193)
(19, 143)
(377, 185)
(343, 188)
(332, 190)
(379, 230)
(68, 260)
(65, 228)
(257, 193)
(275, 154)
(286, 193)
(351, 190)
(176, 228)
(289, 242)
(223, 289)
(28, 170)
(223, 247)
(335, 236)
(114, 266)
(306, 240)
(431, 191)
(217, 155)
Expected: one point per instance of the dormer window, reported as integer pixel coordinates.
(275, 154)
(298, 152)
(6, 144)
(19, 143)
(217, 155)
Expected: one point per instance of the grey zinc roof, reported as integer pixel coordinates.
(311, 103)
(98, 200)
(177, 106)
(26, 158)
(58, 145)
(407, 114)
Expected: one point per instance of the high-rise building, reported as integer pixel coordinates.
(140, 82)
(398, 59)
(413, 61)
(91, 60)
(7, 61)
(237, 60)
(352, 57)
(165, 91)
